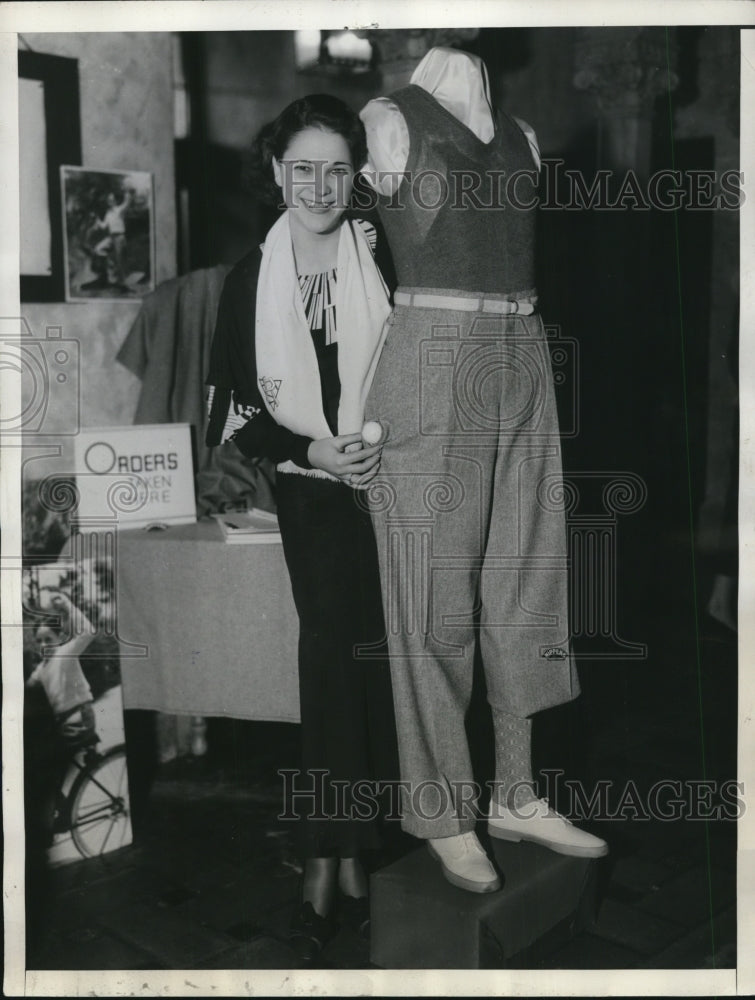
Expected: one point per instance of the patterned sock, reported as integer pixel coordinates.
(514, 784)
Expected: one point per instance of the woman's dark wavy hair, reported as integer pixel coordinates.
(313, 111)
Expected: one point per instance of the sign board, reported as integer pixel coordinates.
(137, 476)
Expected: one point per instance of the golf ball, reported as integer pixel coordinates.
(372, 432)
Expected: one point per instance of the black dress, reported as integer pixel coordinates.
(347, 718)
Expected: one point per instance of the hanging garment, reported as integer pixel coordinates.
(168, 348)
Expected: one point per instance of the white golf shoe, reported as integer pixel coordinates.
(465, 864)
(537, 822)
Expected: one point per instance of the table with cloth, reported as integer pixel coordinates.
(217, 620)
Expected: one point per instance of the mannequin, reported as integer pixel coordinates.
(472, 538)
(458, 81)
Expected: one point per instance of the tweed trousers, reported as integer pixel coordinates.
(468, 511)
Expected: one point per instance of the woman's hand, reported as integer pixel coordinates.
(346, 458)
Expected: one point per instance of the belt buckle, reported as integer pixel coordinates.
(503, 307)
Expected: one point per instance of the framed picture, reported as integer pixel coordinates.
(49, 134)
(109, 233)
(81, 758)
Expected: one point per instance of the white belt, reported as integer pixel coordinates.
(463, 303)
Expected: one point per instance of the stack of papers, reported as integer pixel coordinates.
(249, 527)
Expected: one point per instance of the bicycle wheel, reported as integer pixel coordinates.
(99, 805)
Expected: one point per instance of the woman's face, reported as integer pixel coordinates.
(316, 176)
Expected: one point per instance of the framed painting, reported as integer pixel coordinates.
(109, 233)
(49, 135)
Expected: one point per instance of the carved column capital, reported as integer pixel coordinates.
(625, 68)
(398, 51)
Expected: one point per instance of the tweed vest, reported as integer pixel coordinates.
(464, 215)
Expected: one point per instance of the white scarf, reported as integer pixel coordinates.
(287, 369)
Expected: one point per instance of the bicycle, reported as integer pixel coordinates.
(96, 808)
(91, 800)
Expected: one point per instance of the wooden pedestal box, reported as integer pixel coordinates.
(421, 921)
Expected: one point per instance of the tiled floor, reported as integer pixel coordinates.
(212, 877)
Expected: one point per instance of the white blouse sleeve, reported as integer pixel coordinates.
(529, 133)
(387, 145)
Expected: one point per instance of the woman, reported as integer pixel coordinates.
(299, 330)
